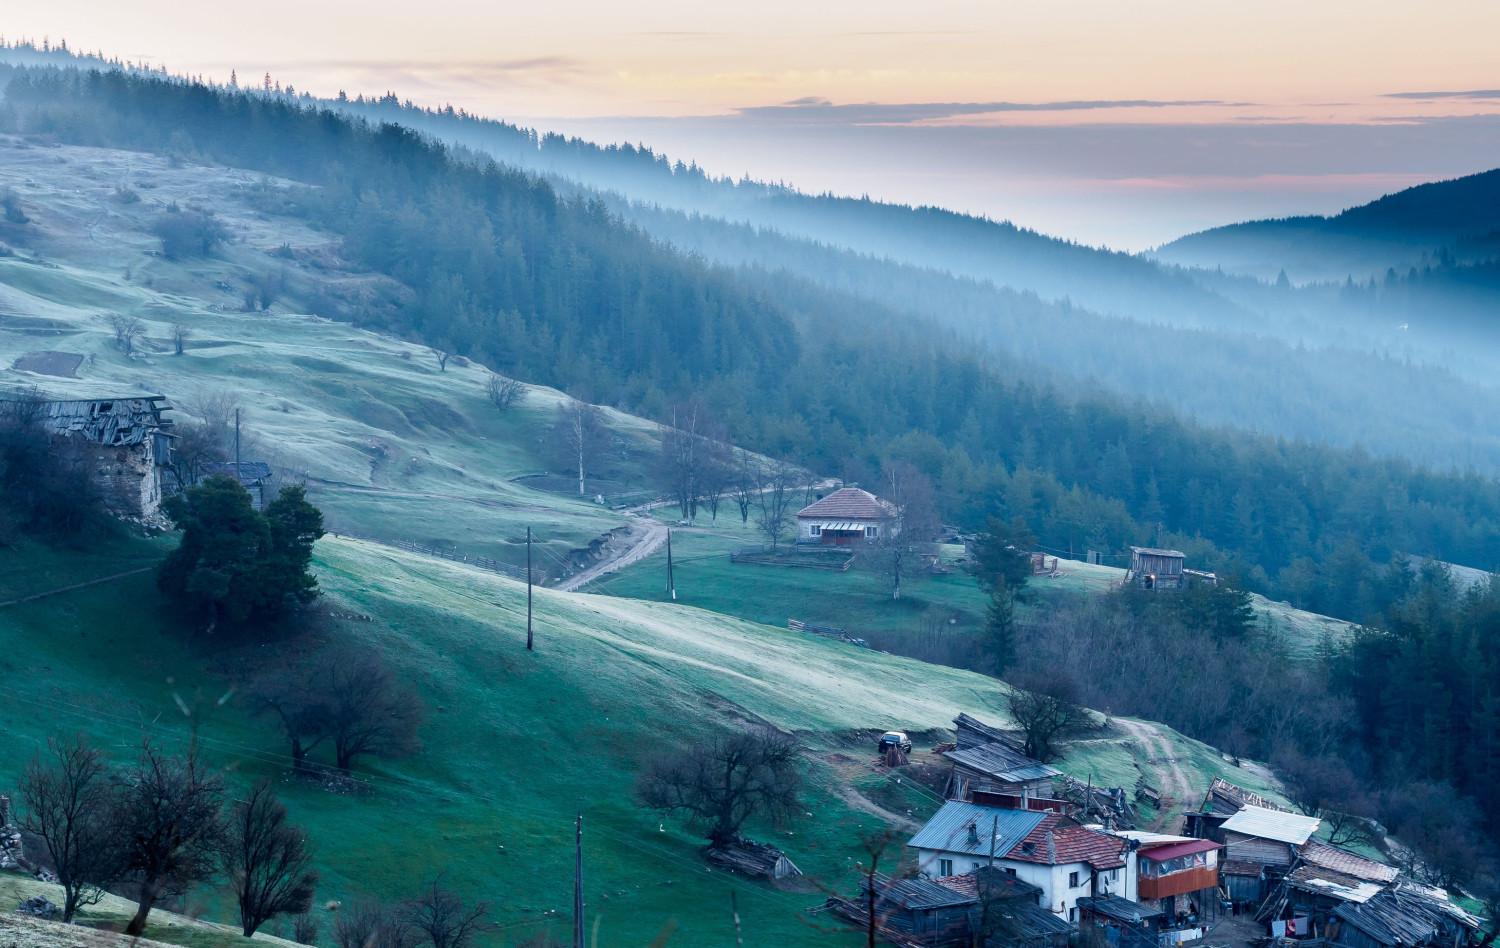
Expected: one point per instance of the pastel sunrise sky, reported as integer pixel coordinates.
(1117, 123)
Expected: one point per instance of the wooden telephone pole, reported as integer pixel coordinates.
(578, 886)
(671, 585)
(528, 592)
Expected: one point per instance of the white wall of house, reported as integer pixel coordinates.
(808, 531)
(1059, 895)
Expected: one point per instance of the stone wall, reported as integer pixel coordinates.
(127, 477)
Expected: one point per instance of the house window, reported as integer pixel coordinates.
(1073, 914)
(872, 532)
(945, 867)
(816, 530)
(975, 866)
(1114, 874)
(1010, 870)
(1072, 880)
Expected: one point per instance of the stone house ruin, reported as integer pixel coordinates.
(125, 442)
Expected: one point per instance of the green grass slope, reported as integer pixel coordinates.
(859, 599)
(395, 446)
(517, 743)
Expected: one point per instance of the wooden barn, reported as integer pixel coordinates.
(1156, 569)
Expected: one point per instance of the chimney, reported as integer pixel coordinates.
(973, 833)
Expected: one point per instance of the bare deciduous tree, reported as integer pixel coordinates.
(302, 709)
(369, 924)
(745, 483)
(776, 498)
(692, 459)
(370, 712)
(913, 523)
(504, 393)
(128, 332)
(720, 783)
(582, 436)
(1047, 715)
(71, 806)
(172, 815)
(442, 356)
(304, 928)
(446, 919)
(267, 860)
(180, 335)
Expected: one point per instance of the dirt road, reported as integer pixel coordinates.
(646, 537)
(1171, 779)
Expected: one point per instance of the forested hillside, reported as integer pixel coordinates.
(1436, 223)
(496, 266)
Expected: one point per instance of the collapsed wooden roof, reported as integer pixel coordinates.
(122, 421)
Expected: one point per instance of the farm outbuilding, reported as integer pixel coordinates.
(1156, 569)
(125, 442)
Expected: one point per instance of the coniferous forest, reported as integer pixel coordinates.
(494, 264)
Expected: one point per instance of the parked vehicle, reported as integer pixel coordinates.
(892, 739)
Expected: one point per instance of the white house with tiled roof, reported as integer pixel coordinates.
(847, 517)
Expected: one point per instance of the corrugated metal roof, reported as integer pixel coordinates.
(1120, 909)
(948, 830)
(1257, 821)
(1001, 762)
(1405, 914)
(1238, 867)
(918, 894)
(1025, 920)
(1335, 885)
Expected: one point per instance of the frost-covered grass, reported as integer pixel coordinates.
(517, 743)
(352, 409)
(109, 916)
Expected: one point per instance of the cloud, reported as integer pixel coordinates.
(1467, 94)
(815, 110)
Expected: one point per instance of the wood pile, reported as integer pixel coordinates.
(858, 917)
(757, 860)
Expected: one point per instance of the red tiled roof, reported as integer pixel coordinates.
(1051, 845)
(848, 503)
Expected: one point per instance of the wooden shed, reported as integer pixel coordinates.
(1156, 569)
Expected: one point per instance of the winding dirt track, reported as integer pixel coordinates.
(647, 536)
(1173, 782)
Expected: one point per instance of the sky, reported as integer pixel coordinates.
(1117, 123)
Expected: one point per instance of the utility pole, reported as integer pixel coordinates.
(237, 439)
(528, 593)
(671, 586)
(578, 887)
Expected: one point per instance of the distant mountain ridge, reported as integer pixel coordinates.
(1456, 221)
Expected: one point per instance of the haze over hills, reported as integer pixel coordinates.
(1444, 222)
(352, 285)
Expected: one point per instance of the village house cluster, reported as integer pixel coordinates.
(1016, 856)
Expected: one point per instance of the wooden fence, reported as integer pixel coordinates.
(831, 563)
